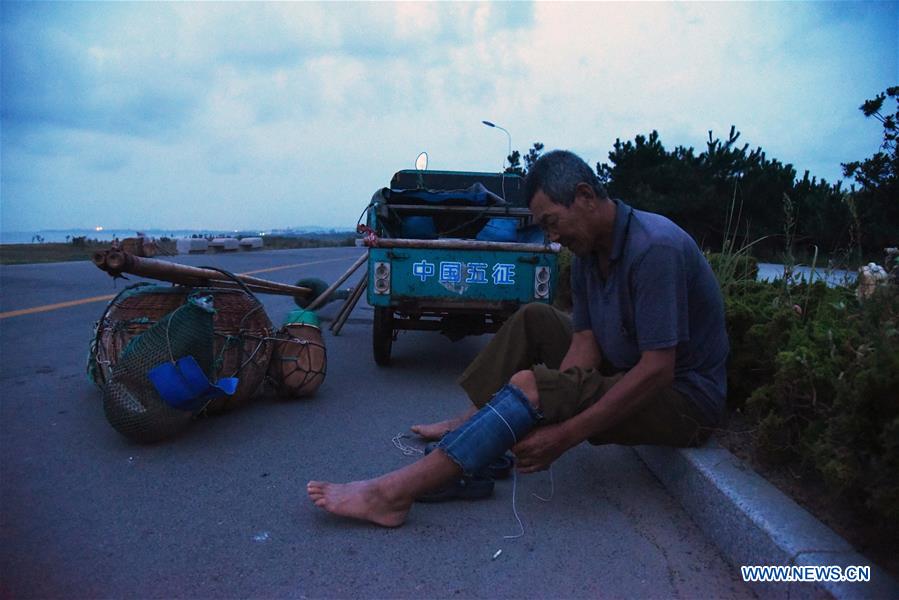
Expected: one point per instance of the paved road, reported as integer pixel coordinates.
(220, 511)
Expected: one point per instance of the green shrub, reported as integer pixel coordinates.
(730, 267)
(817, 375)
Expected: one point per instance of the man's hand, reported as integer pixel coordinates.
(541, 447)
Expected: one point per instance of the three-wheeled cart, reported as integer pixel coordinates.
(454, 252)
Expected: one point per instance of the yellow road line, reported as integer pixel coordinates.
(305, 264)
(107, 298)
(49, 307)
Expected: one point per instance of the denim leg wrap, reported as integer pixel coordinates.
(487, 434)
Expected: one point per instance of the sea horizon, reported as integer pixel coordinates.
(66, 235)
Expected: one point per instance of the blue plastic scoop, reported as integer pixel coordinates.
(184, 385)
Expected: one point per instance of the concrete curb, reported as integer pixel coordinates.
(753, 523)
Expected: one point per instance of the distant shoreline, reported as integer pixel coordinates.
(43, 252)
(62, 236)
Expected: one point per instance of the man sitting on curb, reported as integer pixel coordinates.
(641, 361)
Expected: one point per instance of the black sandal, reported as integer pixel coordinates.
(467, 487)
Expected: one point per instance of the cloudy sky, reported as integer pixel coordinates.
(204, 115)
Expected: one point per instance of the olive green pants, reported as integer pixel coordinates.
(537, 337)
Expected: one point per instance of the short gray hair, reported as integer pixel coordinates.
(558, 173)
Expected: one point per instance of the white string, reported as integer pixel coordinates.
(408, 450)
(514, 508)
(552, 488)
(552, 491)
(512, 431)
(405, 448)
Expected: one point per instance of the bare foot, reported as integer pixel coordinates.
(435, 431)
(359, 500)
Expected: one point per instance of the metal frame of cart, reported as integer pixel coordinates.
(457, 286)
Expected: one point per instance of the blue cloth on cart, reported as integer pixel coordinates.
(499, 230)
(474, 195)
(504, 229)
(418, 227)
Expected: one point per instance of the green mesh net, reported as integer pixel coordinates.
(130, 401)
(99, 361)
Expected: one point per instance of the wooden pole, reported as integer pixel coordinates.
(349, 305)
(116, 262)
(327, 293)
(451, 244)
(342, 309)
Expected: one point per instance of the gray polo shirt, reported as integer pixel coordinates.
(660, 293)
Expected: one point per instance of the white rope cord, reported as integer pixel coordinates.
(512, 431)
(406, 449)
(552, 488)
(552, 491)
(515, 508)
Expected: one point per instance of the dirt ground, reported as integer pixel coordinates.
(865, 534)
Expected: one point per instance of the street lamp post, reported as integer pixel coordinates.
(508, 135)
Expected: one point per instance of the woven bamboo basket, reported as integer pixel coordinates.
(242, 343)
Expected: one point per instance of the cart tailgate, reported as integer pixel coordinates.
(491, 275)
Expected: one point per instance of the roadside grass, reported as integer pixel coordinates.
(318, 240)
(813, 376)
(17, 254)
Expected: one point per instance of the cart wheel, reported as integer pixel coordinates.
(382, 335)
